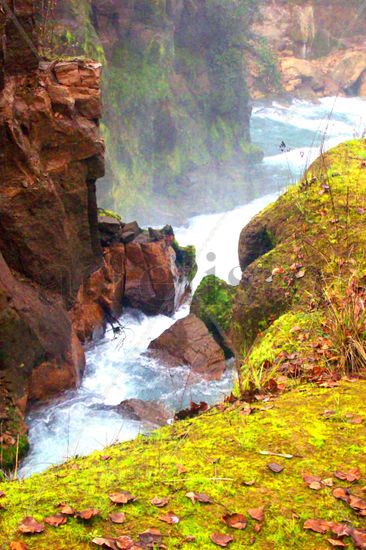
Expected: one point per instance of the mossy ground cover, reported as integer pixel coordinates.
(217, 454)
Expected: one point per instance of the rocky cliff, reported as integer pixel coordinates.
(64, 273)
(51, 156)
(175, 95)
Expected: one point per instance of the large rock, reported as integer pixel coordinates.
(349, 68)
(150, 412)
(188, 342)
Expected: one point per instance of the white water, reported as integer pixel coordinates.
(117, 369)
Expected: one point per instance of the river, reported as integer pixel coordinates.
(81, 421)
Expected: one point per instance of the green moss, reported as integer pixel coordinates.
(318, 229)
(109, 214)
(213, 302)
(186, 258)
(221, 452)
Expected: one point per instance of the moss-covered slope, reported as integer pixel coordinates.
(218, 454)
(305, 254)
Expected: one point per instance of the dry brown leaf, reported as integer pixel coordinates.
(67, 510)
(318, 525)
(117, 517)
(181, 469)
(30, 526)
(122, 497)
(150, 536)
(159, 502)
(18, 546)
(257, 513)
(221, 539)
(354, 474)
(56, 520)
(341, 494)
(276, 468)
(169, 518)
(87, 514)
(235, 521)
(198, 497)
(105, 542)
(336, 543)
(124, 542)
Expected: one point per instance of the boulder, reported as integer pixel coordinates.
(188, 342)
(213, 303)
(151, 412)
(349, 68)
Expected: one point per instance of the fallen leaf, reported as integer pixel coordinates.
(181, 469)
(199, 497)
(258, 527)
(106, 543)
(105, 458)
(159, 502)
(318, 525)
(315, 485)
(235, 521)
(328, 482)
(122, 497)
(87, 514)
(190, 538)
(341, 529)
(124, 542)
(66, 510)
(357, 503)
(341, 494)
(354, 474)
(359, 538)
(336, 542)
(117, 517)
(221, 539)
(276, 468)
(18, 546)
(2, 495)
(56, 520)
(257, 513)
(300, 274)
(150, 536)
(169, 518)
(30, 526)
(355, 420)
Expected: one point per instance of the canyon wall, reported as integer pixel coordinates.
(51, 156)
(175, 98)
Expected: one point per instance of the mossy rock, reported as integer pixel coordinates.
(213, 303)
(310, 240)
(186, 259)
(221, 454)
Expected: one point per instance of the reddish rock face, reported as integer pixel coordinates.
(51, 154)
(188, 342)
(142, 274)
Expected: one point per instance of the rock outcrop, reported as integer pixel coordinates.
(188, 342)
(308, 49)
(146, 270)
